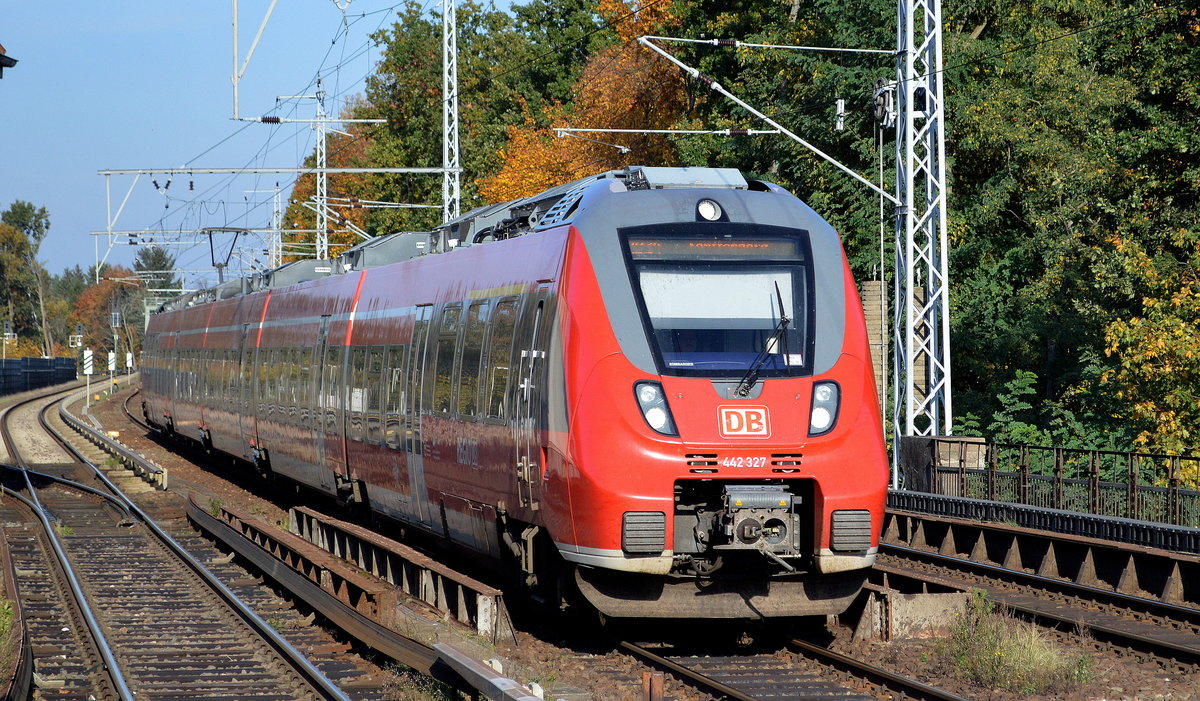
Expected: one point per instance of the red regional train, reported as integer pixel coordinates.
(651, 387)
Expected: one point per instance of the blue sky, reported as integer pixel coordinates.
(141, 84)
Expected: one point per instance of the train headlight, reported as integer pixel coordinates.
(708, 210)
(653, 404)
(824, 413)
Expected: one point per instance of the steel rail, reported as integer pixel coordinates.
(1107, 596)
(301, 664)
(691, 675)
(910, 688)
(439, 662)
(1160, 647)
(112, 668)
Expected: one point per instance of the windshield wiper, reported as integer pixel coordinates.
(778, 338)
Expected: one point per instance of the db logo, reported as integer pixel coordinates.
(744, 421)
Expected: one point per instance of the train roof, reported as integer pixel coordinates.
(553, 207)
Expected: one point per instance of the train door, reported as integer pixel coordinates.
(174, 365)
(331, 448)
(413, 445)
(529, 400)
(245, 393)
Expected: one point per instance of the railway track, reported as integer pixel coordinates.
(118, 609)
(806, 670)
(802, 670)
(1125, 623)
(809, 671)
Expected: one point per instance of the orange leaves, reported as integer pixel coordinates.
(637, 18)
(622, 87)
(94, 304)
(344, 190)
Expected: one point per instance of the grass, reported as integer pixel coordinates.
(214, 507)
(63, 529)
(278, 623)
(996, 650)
(8, 637)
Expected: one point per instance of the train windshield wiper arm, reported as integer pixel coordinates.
(778, 340)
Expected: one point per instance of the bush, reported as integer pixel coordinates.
(996, 650)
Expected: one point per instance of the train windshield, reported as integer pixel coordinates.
(720, 299)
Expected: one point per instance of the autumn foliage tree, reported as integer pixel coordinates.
(1074, 167)
(623, 86)
(118, 291)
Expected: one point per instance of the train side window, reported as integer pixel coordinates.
(231, 379)
(208, 368)
(200, 375)
(499, 355)
(245, 386)
(443, 371)
(472, 352)
(199, 378)
(264, 379)
(287, 381)
(356, 389)
(330, 385)
(374, 380)
(270, 371)
(393, 394)
(303, 384)
(418, 356)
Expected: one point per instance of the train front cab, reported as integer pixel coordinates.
(725, 435)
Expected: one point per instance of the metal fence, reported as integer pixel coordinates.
(24, 374)
(1141, 486)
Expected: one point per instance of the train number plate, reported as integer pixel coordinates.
(744, 461)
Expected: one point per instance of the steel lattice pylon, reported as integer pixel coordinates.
(322, 177)
(450, 176)
(921, 376)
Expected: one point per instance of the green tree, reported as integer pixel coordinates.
(156, 268)
(18, 282)
(31, 220)
(33, 223)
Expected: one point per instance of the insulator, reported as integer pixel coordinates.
(727, 42)
(156, 187)
(705, 79)
(269, 120)
(191, 185)
(739, 132)
(168, 185)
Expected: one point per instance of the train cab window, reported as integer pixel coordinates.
(472, 352)
(499, 355)
(393, 395)
(720, 299)
(443, 370)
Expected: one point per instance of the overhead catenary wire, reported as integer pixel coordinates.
(344, 29)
